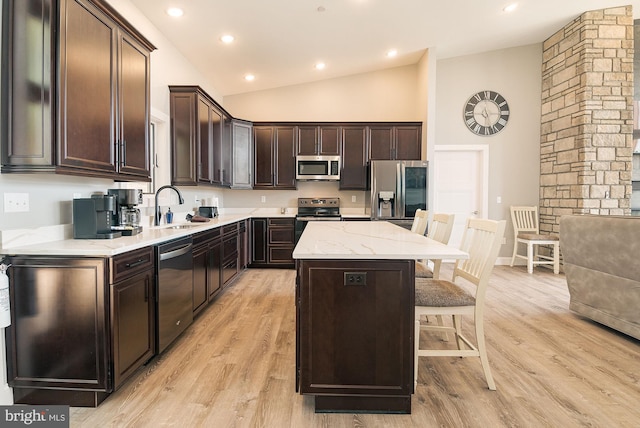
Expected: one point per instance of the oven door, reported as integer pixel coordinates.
(300, 224)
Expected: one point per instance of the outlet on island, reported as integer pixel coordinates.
(355, 278)
(263, 199)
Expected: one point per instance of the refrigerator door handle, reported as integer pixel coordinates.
(400, 190)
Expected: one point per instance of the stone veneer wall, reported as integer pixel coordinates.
(587, 117)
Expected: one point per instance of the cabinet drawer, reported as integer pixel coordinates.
(209, 235)
(128, 264)
(229, 270)
(230, 248)
(282, 254)
(281, 235)
(286, 221)
(229, 228)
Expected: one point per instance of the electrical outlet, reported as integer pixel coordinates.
(16, 202)
(499, 199)
(263, 199)
(355, 278)
(353, 198)
(504, 241)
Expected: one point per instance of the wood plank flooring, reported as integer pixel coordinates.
(234, 367)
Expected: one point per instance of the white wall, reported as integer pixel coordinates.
(386, 95)
(514, 153)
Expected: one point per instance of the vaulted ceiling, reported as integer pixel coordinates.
(281, 41)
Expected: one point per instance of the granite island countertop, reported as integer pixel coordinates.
(368, 240)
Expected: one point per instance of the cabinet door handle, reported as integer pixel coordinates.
(134, 264)
(146, 289)
(123, 150)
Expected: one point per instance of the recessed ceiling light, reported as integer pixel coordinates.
(176, 12)
(320, 66)
(227, 38)
(511, 7)
(249, 77)
(391, 53)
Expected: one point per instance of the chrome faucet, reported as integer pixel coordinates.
(158, 214)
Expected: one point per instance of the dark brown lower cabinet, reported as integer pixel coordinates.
(79, 326)
(273, 242)
(58, 343)
(207, 263)
(230, 255)
(354, 334)
(133, 324)
(200, 266)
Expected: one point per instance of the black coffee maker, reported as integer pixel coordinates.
(92, 217)
(126, 217)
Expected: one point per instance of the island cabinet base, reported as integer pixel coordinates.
(354, 334)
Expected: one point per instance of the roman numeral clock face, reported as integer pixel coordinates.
(486, 113)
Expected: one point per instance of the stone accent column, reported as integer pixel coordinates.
(587, 117)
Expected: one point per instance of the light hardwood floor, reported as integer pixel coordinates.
(234, 367)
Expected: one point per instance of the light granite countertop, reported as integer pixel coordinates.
(368, 240)
(58, 240)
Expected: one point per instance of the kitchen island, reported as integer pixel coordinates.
(354, 314)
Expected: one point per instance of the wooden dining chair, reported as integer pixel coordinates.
(439, 230)
(481, 240)
(526, 231)
(419, 224)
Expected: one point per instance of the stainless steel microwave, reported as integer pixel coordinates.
(318, 168)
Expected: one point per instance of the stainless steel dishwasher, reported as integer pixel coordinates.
(174, 280)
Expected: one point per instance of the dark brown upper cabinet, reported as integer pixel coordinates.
(85, 72)
(196, 137)
(242, 154)
(318, 140)
(202, 139)
(353, 175)
(274, 157)
(395, 141)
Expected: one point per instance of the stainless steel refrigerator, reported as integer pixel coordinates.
(396, 190)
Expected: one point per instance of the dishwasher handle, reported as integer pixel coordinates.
(176, 253)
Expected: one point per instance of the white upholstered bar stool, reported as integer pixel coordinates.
(526, 231)
(419, 224)
(439, 230)
(481, 240)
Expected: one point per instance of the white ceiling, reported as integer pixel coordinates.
(279, 41)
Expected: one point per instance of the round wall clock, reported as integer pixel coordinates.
(486, 113)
